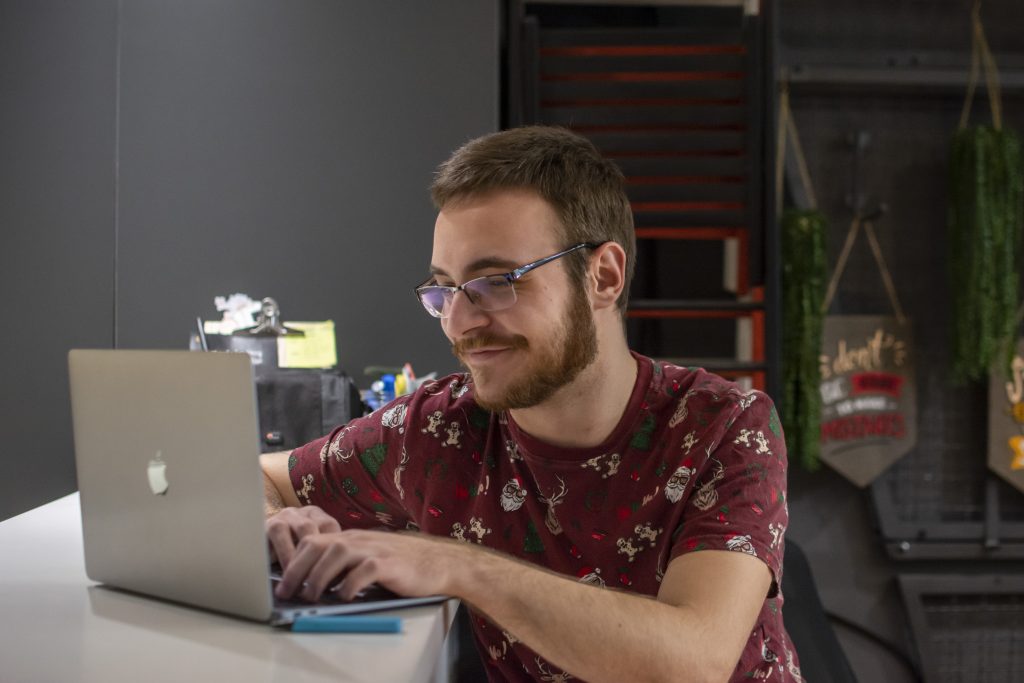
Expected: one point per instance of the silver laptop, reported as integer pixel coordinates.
(166, 448)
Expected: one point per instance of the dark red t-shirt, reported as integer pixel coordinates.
(695, 463)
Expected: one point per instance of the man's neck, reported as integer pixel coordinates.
(584, 413)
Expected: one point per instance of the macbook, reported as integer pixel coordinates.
(167, 454)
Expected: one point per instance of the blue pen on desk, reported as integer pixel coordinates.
(348, 623)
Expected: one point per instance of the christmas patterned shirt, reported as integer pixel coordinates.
(695, 463)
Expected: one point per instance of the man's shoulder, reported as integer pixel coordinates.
(697, 404)
(441, 397)
(447, 390)
(696, 384)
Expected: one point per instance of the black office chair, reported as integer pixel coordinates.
(822, 659)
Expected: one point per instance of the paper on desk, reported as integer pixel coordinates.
(315, 350)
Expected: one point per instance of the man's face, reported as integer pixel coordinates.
(519, 356)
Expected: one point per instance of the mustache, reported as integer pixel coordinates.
(480, 341)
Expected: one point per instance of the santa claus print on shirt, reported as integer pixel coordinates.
(394, 417)
(741, 544)
(678, 481)
(513, 495)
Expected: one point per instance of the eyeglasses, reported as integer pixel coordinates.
(490, 292)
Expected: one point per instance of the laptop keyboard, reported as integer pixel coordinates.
(372, 593)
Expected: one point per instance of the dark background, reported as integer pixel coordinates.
(156, 154)
(896, 71)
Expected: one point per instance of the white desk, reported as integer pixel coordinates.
(61, 627)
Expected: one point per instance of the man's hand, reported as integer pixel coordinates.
(407, 563)
(290, 526)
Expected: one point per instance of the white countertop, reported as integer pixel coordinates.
(62, 627)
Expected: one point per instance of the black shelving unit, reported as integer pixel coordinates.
(676, 96)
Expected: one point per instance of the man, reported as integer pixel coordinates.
(606, 517)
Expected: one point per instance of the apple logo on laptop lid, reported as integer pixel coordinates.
(157, 471)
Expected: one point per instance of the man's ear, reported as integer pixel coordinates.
(607, 274)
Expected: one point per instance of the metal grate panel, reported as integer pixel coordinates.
(968, 629)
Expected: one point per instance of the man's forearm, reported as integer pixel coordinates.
(276, 485)
(272, 501)
(593, 633)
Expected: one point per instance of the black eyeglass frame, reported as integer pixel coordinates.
(511, 277)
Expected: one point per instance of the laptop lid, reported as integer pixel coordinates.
(166, 450)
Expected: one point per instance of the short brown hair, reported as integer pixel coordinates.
(586, 190)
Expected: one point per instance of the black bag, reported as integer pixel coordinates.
(295, 406)
(299, 406)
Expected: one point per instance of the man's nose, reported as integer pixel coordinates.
(463, 316)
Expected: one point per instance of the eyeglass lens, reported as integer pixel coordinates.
(488, 293)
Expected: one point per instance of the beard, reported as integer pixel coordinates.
(555, 363)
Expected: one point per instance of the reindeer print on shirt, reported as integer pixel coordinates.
(706, 495)
(550, 520)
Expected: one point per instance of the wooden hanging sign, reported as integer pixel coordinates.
(869, 396)
(1006, 421)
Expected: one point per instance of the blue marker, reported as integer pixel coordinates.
(348, 624)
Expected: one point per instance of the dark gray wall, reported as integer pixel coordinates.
(275, 148)
(285, 149)
(57, 104)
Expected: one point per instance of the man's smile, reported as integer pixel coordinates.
(486, 354)
(487, 348)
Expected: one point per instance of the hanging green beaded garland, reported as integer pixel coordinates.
(985, 216)
(804, 277)
(986, 211)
